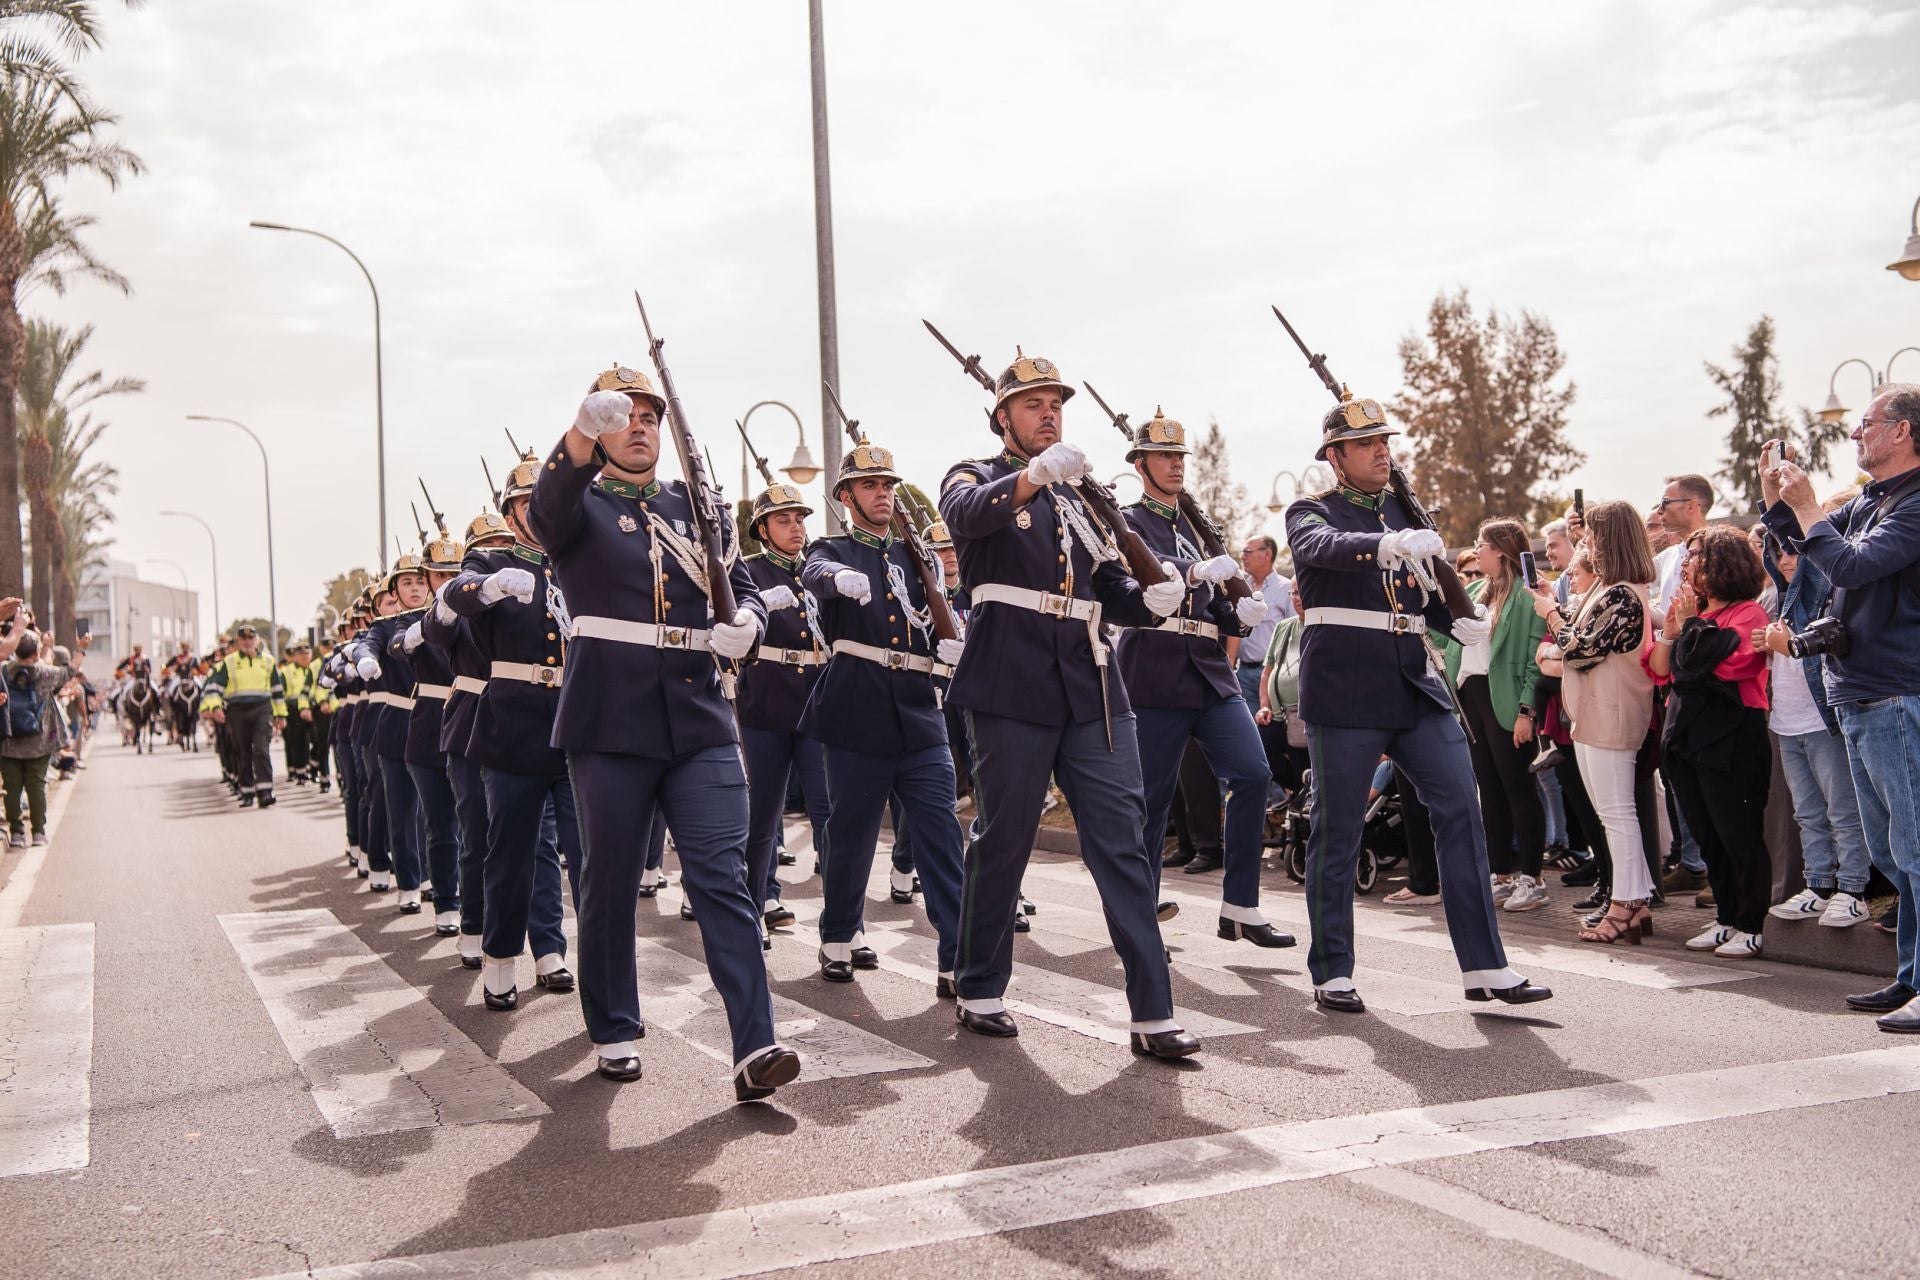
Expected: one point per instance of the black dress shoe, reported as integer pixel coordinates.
(558, 980)
(900, 897)
(649, 890)
(1166, 911)
(364, 873)
(1339, 1001)
(686, 911)
(379, 888)
(1021, 924)
(1581, 876)
(1026, 904)
(774, 917)
(502, 1003)
(864, 958)
(409, 908)
(1600, 897)
(759, 1078)
(246, 801)
(620, 1070)
(998, 1025)
(469, 962)
(1204, 861)
(1166, 1045)
(1885, 1000)
(787, 859)
(266, 800)
(1178, 858)
(943, 988)
(446, 930)
(1260, 935)
(1522, 992)
(835, 970)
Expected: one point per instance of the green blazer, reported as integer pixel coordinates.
(1513, 669)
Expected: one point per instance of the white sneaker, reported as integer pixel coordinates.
(1804, 905)
(1741, 946)
(1528, 895)
(1502, 889)
(1712, 939)
(1843, 911)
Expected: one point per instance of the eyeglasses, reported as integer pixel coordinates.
(1877, 422)
(1667, 502)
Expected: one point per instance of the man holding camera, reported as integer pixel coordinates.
(1870, 549)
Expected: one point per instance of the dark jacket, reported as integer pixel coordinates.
(1162, 668)
(430, 666)
(465, 657)
(513, 723)
(387, 732)
(1703, 711)
(860, 705)
(772, 696)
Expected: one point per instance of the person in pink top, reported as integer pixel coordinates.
(1717, 756)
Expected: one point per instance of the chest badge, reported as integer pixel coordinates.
(1024, 519)
(628, 524)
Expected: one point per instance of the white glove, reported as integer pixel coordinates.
(412, 639)
(736, 639)
(1472, 630)
(327, 682)
(853, 585)
(518, 583)
(1164, 598)
(1218, 569)
(778, 598)
(948, 651)
(1402, 545)
(446, 616)
(1251, 611)
(1058, 462)
(602, 412)
(368, 667)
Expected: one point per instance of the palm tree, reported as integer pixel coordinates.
(34, 34)
(45, 137)
(80, 544)
(54, 440)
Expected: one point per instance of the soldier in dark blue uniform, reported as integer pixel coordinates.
(1368, 688)
(375, 838)
(774, 689)
(1041, 577)
(336, 675)
(1183, 690)
(402, 594)
(878, 714)
(646, 724)
(426, 759)
(517, 617)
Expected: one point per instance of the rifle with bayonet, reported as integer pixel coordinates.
(933, 578)
(492, 489)
(439, 516)
(766, 472)
(1142, 563)
(418, 528)
(1443, 578)
(700, 489)
(1236, 587)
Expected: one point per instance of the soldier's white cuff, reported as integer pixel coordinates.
(549, 964)
(1241, 915)
(497, 975)
(1495, 979)
(990, 1005)
(840, 952)
(622, 1049)
(1153, 1028)
(1334, 984)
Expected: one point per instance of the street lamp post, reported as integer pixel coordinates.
(1907, 265)
(823, 250)
(1833, 410)
(1315, 475)
(802, 469)
(266, 477)
(214, 548)
(379, 380)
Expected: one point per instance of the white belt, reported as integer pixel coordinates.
(1052, 605)
(1400, 624)
(441, 691)
(547, 677)
(400, 700)
(787, 657)
(651, 634)
(469, 684)
(891, 659)
(1190, 627)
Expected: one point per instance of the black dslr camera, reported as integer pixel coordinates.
(1826, 635)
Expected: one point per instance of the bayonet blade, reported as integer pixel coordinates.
(970, 363)
(1119, 419)
(851, 424)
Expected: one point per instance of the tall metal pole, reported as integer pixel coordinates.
(823, 255)
(379, 378)
(213, 547)
(266, 476)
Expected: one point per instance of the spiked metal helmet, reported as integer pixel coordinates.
(1352, 420)
(405, 564)
(631, 381)
(776, 497)
(1024, 374)
(1160, 435)
(520, 479)
(488, 526)
(865, 459)
(937, 536)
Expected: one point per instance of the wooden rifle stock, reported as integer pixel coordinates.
(1452, 590)
(693, 465)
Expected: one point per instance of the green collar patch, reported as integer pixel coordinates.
(788, 564)
(1160, 509)
(1371, 501)
(627, 489)
(528, 554)
(1011, 458)
(866, 539)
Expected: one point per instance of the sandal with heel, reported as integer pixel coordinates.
(1632, 927)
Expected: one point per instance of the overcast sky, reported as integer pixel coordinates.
(1121, 186)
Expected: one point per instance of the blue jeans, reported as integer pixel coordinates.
(1554, 802)
(443, 834)
(1227, 737)
(1827, 812)
(1883, 752)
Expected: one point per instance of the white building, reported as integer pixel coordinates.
(121, 609)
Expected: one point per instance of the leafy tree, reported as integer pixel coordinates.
(1752, 390)
(1210, 480)
(1485, 411)
(36, 36)
(340, 592)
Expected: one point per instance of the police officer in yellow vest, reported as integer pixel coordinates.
(298, 677)
(246, 694)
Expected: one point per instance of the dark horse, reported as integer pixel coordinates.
(139, 708)
(183, 709)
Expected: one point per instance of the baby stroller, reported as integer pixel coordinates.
(1382, 840)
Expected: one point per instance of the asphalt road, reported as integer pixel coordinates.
(250, 1066)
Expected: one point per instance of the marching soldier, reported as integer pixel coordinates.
(246, 696)
(879, 717)
(297, 676)
(774, 689)
(426, 760)
(1041, 578)
(375, 837)
(342, 682)
(1368, 688)
(1184, 691)
(517, 617)
(646, 725)
(388, 675)
(320, 729)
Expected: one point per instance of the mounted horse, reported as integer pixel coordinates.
(183, 711)
(139, 708)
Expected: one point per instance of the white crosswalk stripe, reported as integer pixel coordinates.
(378, 1056)
(46, 1047)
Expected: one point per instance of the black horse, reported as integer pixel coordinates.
(183, 710)
(139, 709)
